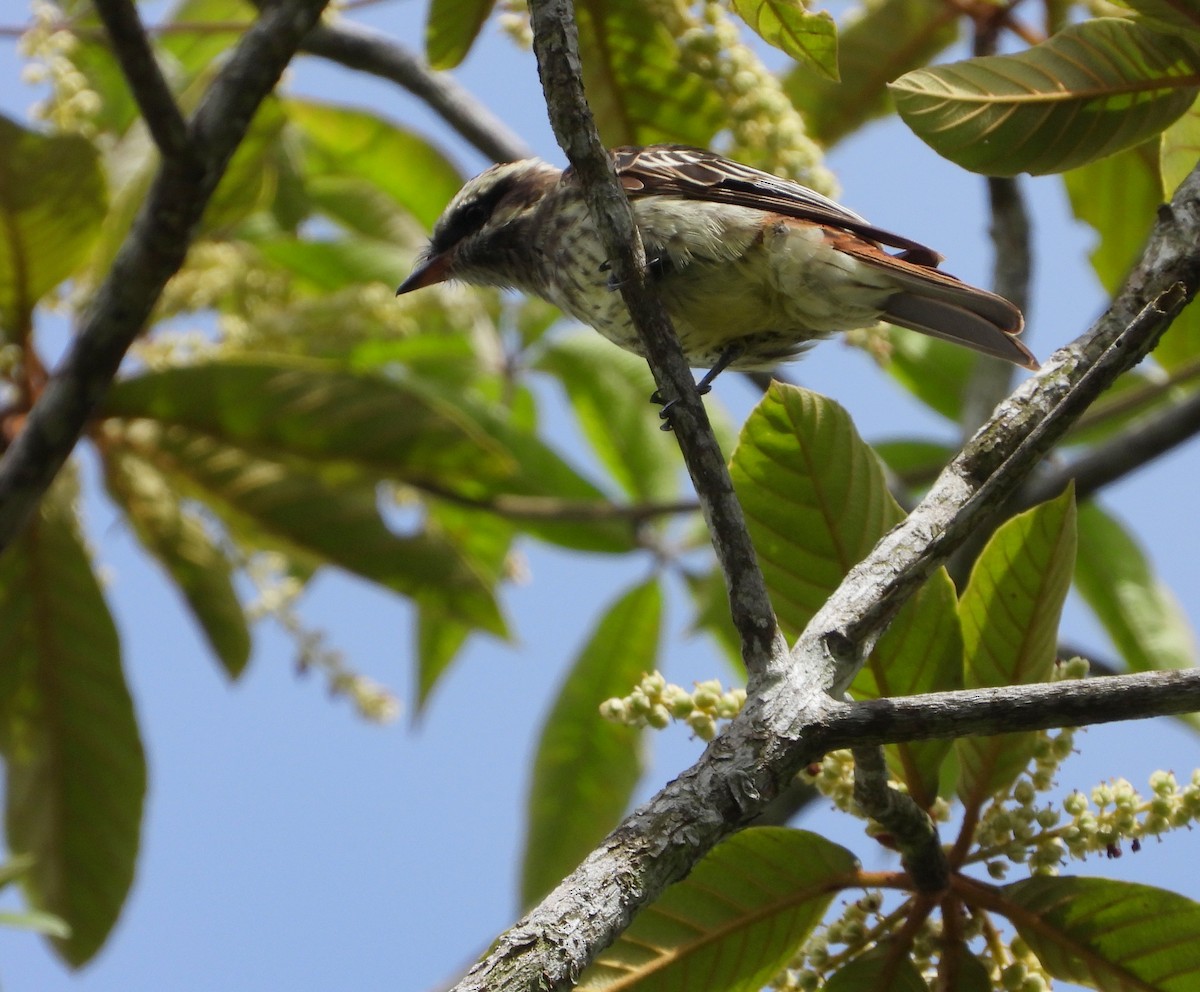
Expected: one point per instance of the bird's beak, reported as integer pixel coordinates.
(434, 269)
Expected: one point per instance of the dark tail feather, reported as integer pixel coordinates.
(971, 317)
(935, 303)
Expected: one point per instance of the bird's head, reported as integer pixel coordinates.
(478, 238)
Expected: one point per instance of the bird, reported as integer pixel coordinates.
(751, 268)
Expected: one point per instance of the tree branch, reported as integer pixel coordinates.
(991, 379)
(749, 764)
(912, 830)
(791, 720)
(360, 48)
(556, 45)
(1117, 457)
(154, 98)
(152, 253)
(1010, 709)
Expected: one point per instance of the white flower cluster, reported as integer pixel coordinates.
(278, 589)
(767, 131)
(48, 44)
(514, 22)
(655, 702)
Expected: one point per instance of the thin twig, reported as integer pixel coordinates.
(991, 379)
(152, 253)
(358, 47)
(556, 45)
(513, 506)
(1146, 394)
(912, 830)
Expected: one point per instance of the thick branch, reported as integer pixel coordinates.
(360, 48)
(556, 44)
(985, 712)
(153, 252)
(154, 99)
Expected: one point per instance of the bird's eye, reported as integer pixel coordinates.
(473, 216)
(465, 221)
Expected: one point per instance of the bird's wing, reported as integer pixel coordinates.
(679, 170)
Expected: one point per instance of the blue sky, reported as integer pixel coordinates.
(287, 844)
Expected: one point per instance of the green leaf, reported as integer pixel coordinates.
(711, 600)
(816, 502)
(1179, 348)
(317, 516)
(1091, 90)
(362, 208)
(935, 372)
(1010, 611)
(14, 869)
(203, 30)
(885, 968)
(484, 540)
(1168, 15)
(734, 921)
(75, 777)
(445, 357)
(639, 91)
(406, 430)
(339, 141)
(888, 40)
(921, 652)
(1117, 196)
(1139, 613)
(438, 642)
(251, 177)
(915, 462)
(285, 408)
(560, 510)
(962, 971)
(52, 201)
(327, 266)
(1180, 149)
(814, 497)
(1109, 935)
(179, 541)
(810, 38)
(451, 29)
(608, 390)
(586, 768)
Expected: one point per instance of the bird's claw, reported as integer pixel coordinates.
(665, 413)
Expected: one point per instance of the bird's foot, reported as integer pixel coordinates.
(703, 387)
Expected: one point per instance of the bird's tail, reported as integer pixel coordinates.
(964, 315)
(935, 303)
